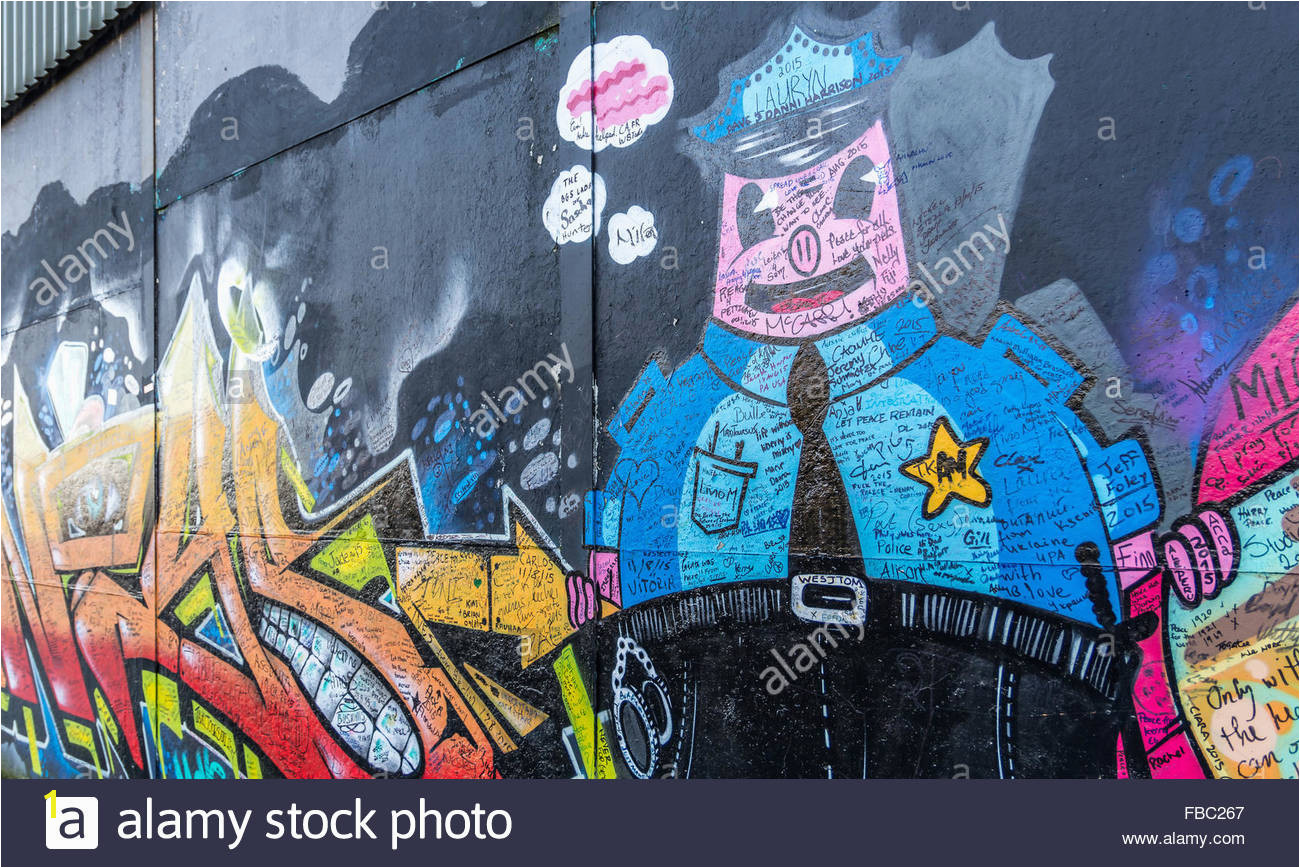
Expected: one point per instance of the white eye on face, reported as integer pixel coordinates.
(768, 202)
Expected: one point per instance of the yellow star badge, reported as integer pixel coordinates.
(948, 470)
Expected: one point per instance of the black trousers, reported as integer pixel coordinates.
(933, 685)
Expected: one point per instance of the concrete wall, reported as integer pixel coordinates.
(827, 390)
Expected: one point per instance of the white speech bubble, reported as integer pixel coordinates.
(632, 235)
(573, 208)
(633, 91)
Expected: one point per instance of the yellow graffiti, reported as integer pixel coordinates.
(593, 744)
(163, 701)
(252, 765)
(106, 717)
(290, 468)
(33, 749)
(354, 558)
(80, 735)
(518, 713)
(447, 586)
(220, 736)
(948, 470)
(196, 602)
(522, 587)
(475, 702)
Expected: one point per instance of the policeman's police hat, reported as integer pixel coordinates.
(813, 87)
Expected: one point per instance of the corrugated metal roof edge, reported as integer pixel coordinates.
(37, 37)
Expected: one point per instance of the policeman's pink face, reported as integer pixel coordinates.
(809, 252)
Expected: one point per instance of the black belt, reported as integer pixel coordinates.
(1068, 648)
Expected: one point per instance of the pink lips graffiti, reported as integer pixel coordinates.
(792, 305)
(623, 93)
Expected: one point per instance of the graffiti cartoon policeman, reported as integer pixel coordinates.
(843, 531)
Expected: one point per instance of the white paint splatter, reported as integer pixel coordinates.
(342, 391)
(632, 235)
(573, 208)
(539, 471)
(536, 433)
(320, 390)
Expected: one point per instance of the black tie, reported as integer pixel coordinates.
(823, 533)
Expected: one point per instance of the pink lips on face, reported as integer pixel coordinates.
(792, 305)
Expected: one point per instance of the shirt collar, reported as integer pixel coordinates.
(854, 356)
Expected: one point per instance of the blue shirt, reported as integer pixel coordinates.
(703, 488)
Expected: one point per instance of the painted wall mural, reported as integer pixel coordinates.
(746, 396)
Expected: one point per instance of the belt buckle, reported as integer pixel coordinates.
(827, 598)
